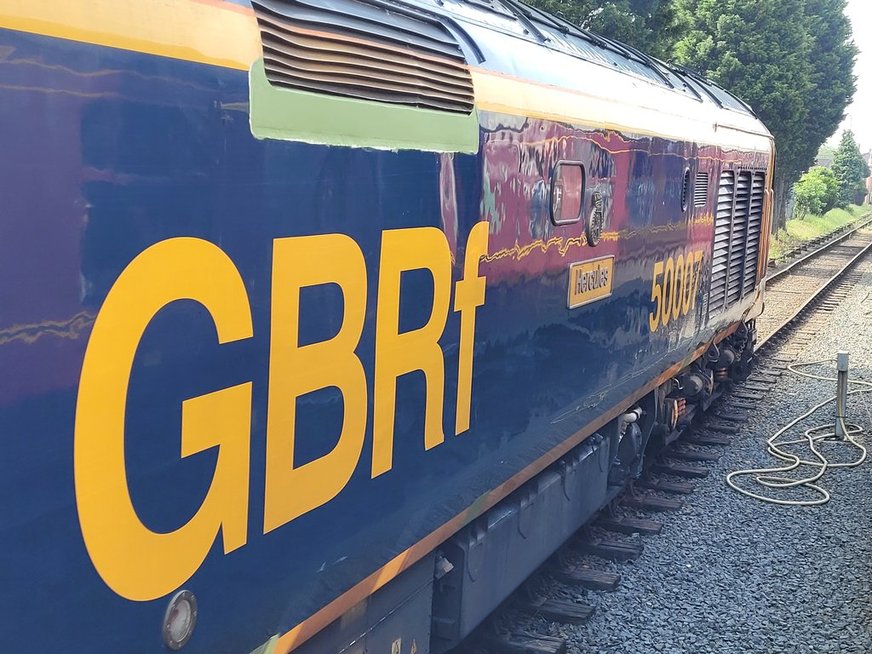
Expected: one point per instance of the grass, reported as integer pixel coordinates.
(800, 230)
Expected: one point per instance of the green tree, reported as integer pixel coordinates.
(824, 155)
(831, 73)
(791, 60)
(816, 192)
(850, 169)
(759, 50)
(652, 26)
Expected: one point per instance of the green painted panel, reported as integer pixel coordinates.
(292, 115)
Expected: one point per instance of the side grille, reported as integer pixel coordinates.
(700, 190)
(755, 221)
(738, 237)
(736, 247)
(685, 190)
(721, 247)
(364, 49)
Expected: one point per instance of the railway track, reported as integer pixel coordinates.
(790, 290)
(813, 248)
(800, 298)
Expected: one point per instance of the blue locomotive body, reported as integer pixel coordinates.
(281, 370)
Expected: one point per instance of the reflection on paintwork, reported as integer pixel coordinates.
(108, 152)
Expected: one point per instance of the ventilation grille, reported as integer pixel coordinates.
(755, 221)
(721, 248)
(364, 49)
(685, 190)
(736, 247)
(738, 237)
(700, 190)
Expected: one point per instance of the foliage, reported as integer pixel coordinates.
(652, 26)
(799, 231)
(759, 50)
(832, 73)
(791, 60)
(850, 169)
(816, 192)
(825, 154)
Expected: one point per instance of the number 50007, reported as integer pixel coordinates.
(673, 288)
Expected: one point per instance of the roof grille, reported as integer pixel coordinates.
(736, 247)
(364, 49)
(700, 190)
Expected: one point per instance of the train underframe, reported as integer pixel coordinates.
(431, 607)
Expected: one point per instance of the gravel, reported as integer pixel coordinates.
(730, 574)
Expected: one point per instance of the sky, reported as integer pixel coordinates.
(859, 113)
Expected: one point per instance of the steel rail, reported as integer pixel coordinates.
(776, 274)
(818, 293)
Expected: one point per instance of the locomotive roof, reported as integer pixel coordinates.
(556, 33)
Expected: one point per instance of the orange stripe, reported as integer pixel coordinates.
(201, 31)
(225, 34)
(505, 93)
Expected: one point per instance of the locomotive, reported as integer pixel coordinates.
(323, 323)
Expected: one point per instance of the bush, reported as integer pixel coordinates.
(816, 192)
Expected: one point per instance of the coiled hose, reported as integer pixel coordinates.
(772, 477)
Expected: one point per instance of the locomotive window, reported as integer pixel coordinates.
(700, 190)
(567, 191)
(685, 190)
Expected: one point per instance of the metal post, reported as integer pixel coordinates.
(841, 393)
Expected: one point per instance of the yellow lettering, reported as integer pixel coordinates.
(689, 282)
(294, 370)
(134, 561)
(656, 297)
(679, 282)
(698, 262)
(468, 296)
(398, 353)
(668, 287)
